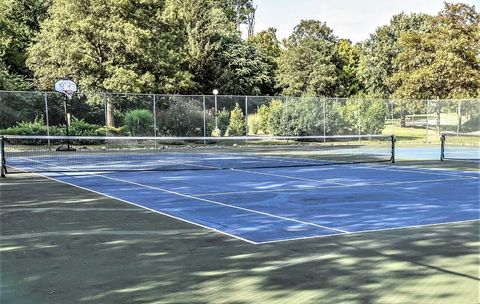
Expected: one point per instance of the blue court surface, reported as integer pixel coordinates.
(281, 204)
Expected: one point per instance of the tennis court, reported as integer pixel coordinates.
(262, 198)
(315, 191)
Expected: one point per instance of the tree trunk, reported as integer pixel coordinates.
(109, 112)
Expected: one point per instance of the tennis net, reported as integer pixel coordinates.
(460, 146)
(81, 154)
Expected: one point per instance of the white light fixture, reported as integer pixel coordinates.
(215, 92)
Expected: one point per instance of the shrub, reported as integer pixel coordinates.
(181, 118)
(365, 116)
(139, 122)
(36, 127)
(236, 126)
(79, 127)
(223, 122)
(254, 124)
(272, 117)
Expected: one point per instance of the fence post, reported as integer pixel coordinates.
(392, 109)
(324, 120)
(204, 121)
(246, 115)
(459, 115)
(428, 126)
(155, 120)
(3, 161)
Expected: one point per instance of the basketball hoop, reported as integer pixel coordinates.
(66, 87)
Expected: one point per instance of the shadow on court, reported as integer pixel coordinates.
(61, 244)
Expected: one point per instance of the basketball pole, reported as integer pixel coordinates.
(65, 97)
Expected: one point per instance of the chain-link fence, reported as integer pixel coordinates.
(417, 121)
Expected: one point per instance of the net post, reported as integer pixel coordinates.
(3, 168)
(393, 140)
(442, 147)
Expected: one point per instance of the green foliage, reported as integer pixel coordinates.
(377, 54)
(139, 122)
(305, 116)
(113, 46)
(223, 123)
(79, 127)
(309, 66)
(36, 127)
(19, 22)
(254, 124)
(442, 62)
(272, 117)
(244, 71)
(181, 118)
(348, 58)
(12, 82)
(266, 42)
(365, 116)
(236, 126)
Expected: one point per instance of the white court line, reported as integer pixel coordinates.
(290, 177)
(400, 169)
(246, 209)
(332, 187)
(365, 231)
(221, 204)
(211, 201)
(143, 207)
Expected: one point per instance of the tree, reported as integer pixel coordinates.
(267, 44)
(113, 46)
(11, 82)
(443, 62)
(216, 55)
(236, 126)
(377, 54)
(308, 65)
(348, 57)
(19, 23)
(242, 70)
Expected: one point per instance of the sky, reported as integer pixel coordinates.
(350, 19)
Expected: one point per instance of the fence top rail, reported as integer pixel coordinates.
(477, 99)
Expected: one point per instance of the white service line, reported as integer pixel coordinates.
(290, 177)
(221, 204)
(206, 200)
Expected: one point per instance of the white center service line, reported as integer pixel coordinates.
(207, 200)
(221, 204)
(292, 177)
